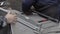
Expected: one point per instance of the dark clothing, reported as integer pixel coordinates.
(26, 4)
(2, 0)
(48, 2)
(2, 22)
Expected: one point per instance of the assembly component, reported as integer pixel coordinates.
(36, 32)
(51, 30)
(27, 24)
(19, 28)
(49, 24)
(28, 19)
(21, 20)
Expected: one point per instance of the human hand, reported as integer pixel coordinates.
(11, 18)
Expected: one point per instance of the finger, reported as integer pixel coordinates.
(9, 12)
(14, 15)
(15, 21)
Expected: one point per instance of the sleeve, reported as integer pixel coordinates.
(3, 21)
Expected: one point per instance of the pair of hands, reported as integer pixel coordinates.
(11, 18)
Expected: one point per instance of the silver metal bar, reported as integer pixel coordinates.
(23, 22)
(33, 27)
(50, 18)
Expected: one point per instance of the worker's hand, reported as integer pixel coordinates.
(11, 18)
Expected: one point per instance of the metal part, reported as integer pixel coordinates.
(28, 25)
(23, 22)
(48, 17)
